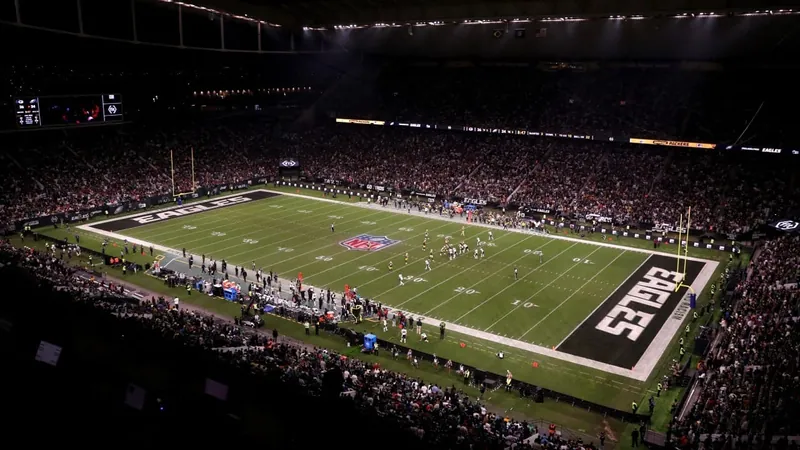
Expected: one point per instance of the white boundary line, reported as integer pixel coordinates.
(640, 372)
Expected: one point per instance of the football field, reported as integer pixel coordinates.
(589, 305)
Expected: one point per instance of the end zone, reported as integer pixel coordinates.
(633, 327)
(136, 220)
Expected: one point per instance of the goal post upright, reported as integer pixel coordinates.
(678, 259)
(683, 250)
(194, 185)
(193, 189)
(172, 170)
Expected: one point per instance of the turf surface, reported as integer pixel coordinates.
(541, 305)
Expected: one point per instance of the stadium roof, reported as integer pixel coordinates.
(319, 13)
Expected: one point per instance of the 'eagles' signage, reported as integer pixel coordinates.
(652, 291)
(150, 218)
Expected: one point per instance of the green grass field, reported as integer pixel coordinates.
(547, 301)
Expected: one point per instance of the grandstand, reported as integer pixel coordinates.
(498, 204)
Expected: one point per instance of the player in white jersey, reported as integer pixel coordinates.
(482, 252)
(427, 265)
(385, 325)
(475, 254)
(491, 236)
(452, 252)
(479, 242)
(403, 335)
(400, 277)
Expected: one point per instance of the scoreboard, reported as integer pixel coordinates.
(67, 110)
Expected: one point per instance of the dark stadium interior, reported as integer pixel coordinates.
(609, 110)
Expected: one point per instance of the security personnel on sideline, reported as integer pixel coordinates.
(659, 387)
(634, 407)
(683, 352)
(687, 330)
(680, 342)
(441, 330)
(694, 316)
(188, 289)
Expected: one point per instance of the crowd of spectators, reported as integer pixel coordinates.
(437, 415)
(728, 192)
(750, 385)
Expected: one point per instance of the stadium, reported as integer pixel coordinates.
(452, 224)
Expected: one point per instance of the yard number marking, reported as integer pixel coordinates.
(578, 260)
(250, 241)
(524, 305)
(463, 290)
(324, 258)
(217, 233)
(414, 279)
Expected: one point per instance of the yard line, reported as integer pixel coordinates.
(259, 227)
(507, 286)
(459, 273)
(534, 294)
(494, 273)
(571, 295)
(295, 236)
(170, 224)
(605, 300)
(391, 273)
(329, 245)
(183, 243)
(261, 236)
(368, 253)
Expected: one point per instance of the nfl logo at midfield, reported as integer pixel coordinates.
(363, 241)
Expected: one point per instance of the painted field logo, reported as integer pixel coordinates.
(367, 242)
